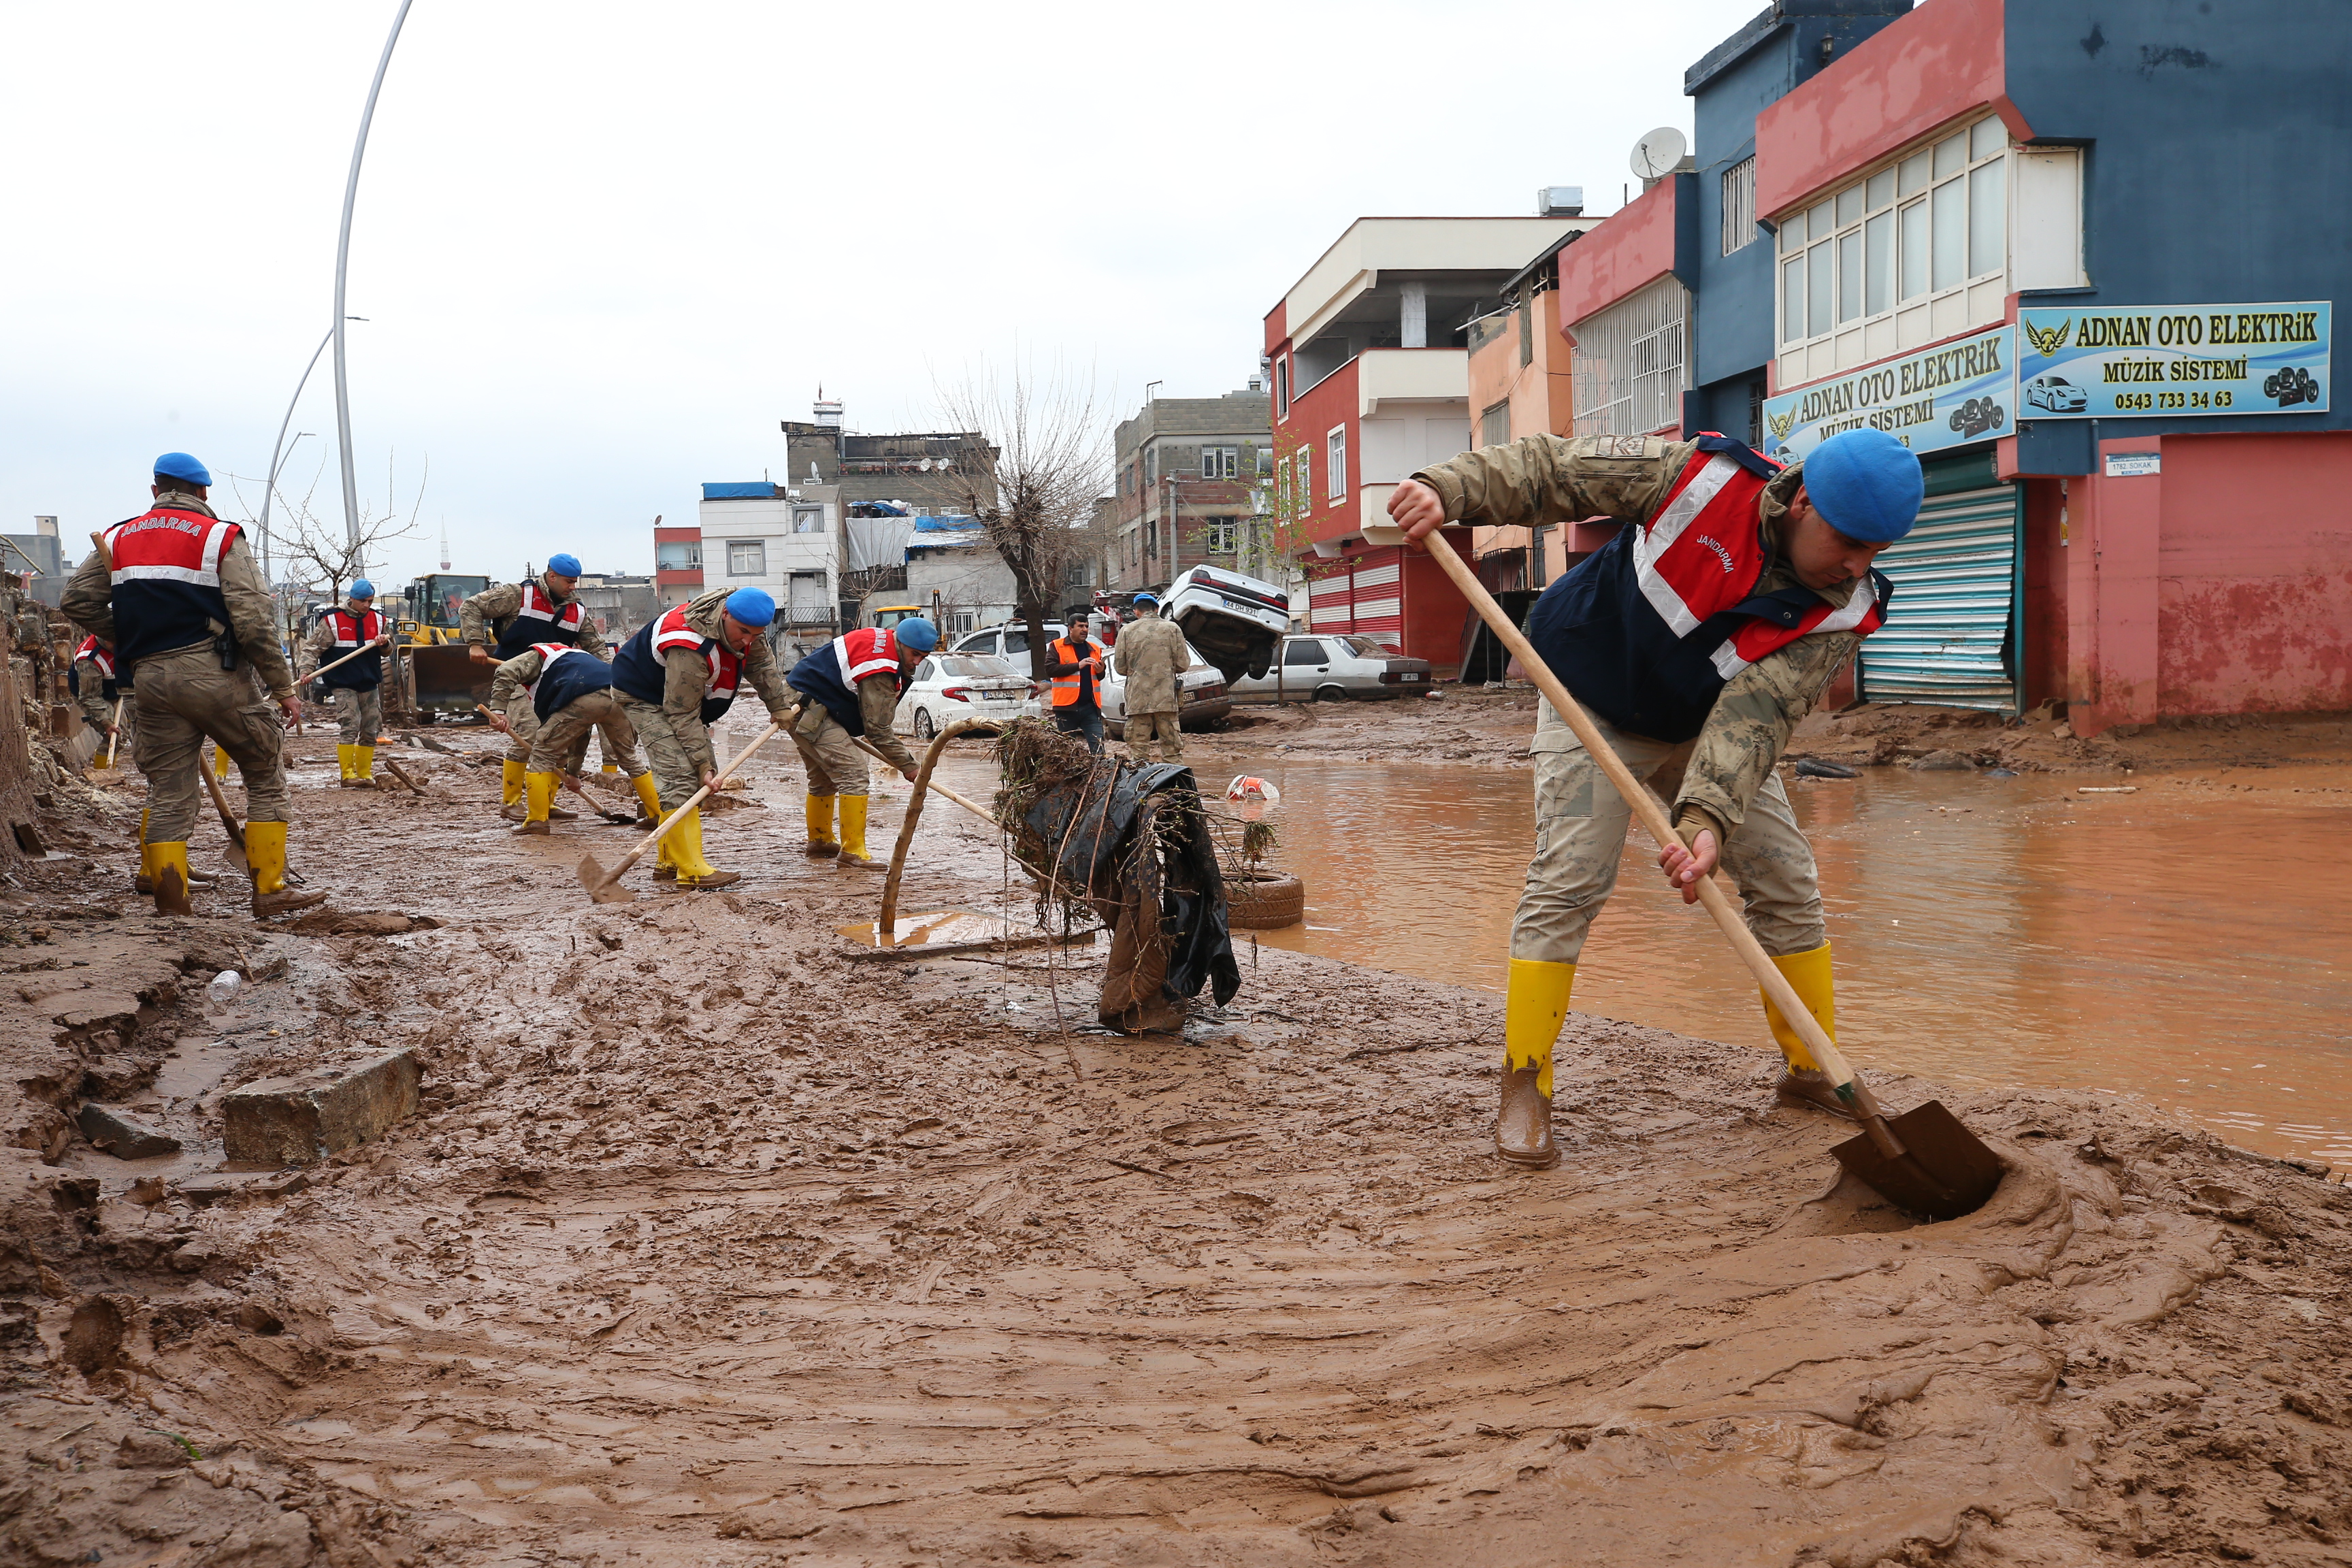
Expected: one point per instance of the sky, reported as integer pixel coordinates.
(603, 250)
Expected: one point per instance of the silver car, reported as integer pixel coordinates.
(1201, 688)
(1330, 668)
(948, 687)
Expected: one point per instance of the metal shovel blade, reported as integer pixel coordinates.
(601, 887)
(1945, 1171)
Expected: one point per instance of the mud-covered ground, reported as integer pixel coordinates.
(720, 1241)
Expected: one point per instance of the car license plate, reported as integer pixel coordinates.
(1413, 675)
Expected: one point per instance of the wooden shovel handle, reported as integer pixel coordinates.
(922, 779)
(220, 801)
(347, 658)
(697, 798)
(1653, 814)
(115, 735)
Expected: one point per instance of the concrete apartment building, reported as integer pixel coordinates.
(1188, 475)
(1370, 351)
(1520, 385)
(757, 533)
(923, 469)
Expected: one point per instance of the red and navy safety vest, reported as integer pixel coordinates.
(831, 674)
(539, 619)
(639, 669)
(1646, 630)
(364, 674)
(565, 673)
(166, 583)
(99, 659)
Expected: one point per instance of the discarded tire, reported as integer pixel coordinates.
(1264, 900)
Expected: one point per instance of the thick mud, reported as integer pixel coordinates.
(721, 1239)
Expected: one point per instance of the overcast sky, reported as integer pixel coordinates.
(603, 250)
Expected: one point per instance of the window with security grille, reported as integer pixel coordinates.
(1495, 425)
(1739, 205)
(1632, 363)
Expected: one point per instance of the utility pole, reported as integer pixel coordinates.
(342, 266)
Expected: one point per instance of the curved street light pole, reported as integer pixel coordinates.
(271, 489)
(342, 262)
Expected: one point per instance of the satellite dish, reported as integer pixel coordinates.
(1655, 155)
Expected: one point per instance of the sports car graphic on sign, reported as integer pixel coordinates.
(2056, 394)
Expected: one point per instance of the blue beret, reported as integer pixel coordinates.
(917, 633)
(752, 606)
(362, 589)
(180, 466)
(565, 565)
(1865, 484)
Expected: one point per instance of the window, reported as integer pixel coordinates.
(1220, 462)
(1282, 490)
(1338, 477)
(808, 520)
(1739, 205)
(1151, 465)
(1282, 387)
(747, 558)
(1495, 425)
(1220, 536)
(678, 555)
(1306, 491)
(1305, 650)
(1912, 234)
(1080, 573)
(1536, 569)
(1631, 363)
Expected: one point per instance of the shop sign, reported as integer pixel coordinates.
(1944, 397)
(2113, 361)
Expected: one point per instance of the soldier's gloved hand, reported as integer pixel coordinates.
(1414, 507)
(1685, 867)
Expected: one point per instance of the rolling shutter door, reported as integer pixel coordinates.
(1380, 603)
(1328, 606)
(1948, 639)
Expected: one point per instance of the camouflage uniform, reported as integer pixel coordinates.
(1726, 784)
(1151, 655)
(90, 691)
(677, 742)
(183, 695)
(482, 623)
(835, 766)
(561, 744)
(359, 714)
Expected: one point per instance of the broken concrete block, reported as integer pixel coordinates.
(121, 1137)
(298, 1120)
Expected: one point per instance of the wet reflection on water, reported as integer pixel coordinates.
(1987, 930)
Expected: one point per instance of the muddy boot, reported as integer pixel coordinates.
(1811, 1085)
(168, 870)
(685, 854)
(539, 791)
(1535, 1005)
(1523, 1127)
(853, 834)
(265, 852)
(510, 806)
(1804, 1083)
(648, 801)
(821, 845)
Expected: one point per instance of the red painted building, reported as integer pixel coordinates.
(677, 562)
(1370, 356)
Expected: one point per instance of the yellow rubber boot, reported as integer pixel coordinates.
(540, 791)
(264, 854)
(168, 866)
(1533, 1010)
(510, 780)
(685, 854)
(853, 833)
(364, 766)
(1808, 974)
(821, 844)
(343, 756)
(648, 797)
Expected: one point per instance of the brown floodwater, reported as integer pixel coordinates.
(2182, 944)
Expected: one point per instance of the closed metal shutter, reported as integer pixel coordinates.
(1948, 635)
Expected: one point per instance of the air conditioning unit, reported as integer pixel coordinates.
(1561, 201)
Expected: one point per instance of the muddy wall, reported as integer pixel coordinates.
(16, 803)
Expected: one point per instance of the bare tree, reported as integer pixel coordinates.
(320, 556)
(1032, 478)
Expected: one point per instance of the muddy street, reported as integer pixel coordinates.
(716, 1240)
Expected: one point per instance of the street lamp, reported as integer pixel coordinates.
(342, 262)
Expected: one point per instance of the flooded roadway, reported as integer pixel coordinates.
(2179, 944)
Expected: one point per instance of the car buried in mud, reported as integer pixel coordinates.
(1330, 668)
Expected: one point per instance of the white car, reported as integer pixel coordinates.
(1235, 620)
(1201, 689)
(946, 687)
